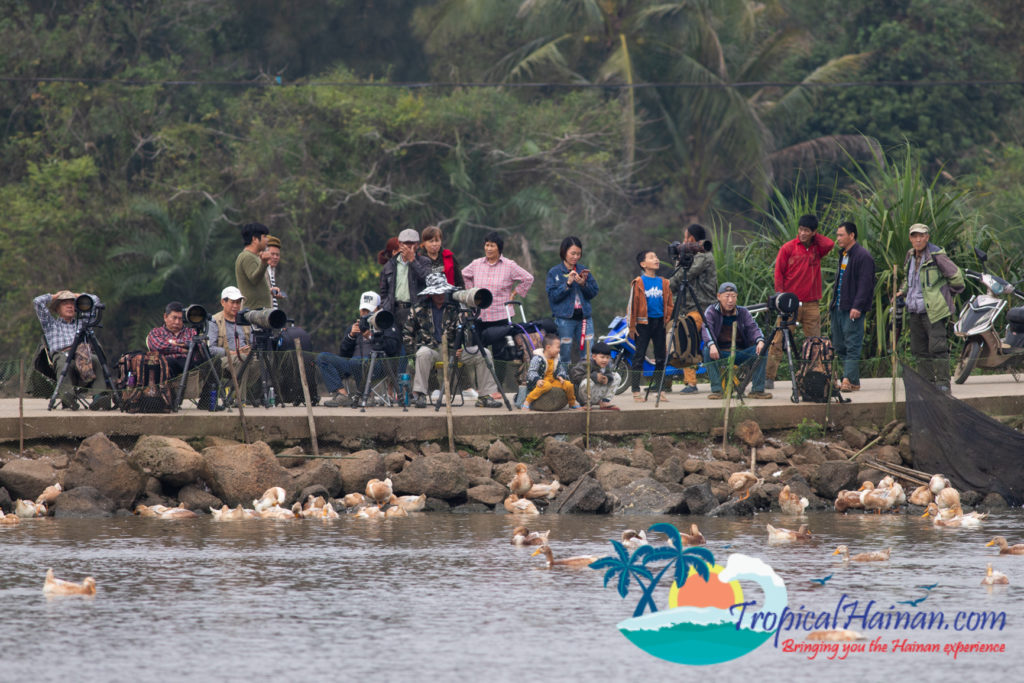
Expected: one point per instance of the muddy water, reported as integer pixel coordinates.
(446, 595)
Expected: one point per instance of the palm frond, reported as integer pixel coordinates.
(789, 161)
(798, 102)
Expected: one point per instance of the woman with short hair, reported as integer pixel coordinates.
(501, 275)
(571, 286)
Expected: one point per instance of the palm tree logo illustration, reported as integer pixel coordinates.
(634, 567)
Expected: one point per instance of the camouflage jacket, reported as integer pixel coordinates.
(419, 327)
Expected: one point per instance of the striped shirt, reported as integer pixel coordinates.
(502, 278)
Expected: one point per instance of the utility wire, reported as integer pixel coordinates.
(421, 85)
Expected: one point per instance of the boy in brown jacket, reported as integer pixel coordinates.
(650, 304)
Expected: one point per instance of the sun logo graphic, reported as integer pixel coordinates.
(700, 625)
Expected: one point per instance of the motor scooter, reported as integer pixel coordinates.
(977, 325)
(623, 349)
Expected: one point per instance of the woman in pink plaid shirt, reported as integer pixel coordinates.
(503, 276)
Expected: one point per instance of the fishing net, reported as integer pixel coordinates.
(973, 450)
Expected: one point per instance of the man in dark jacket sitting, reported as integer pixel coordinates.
(355, 351)
(723, 320)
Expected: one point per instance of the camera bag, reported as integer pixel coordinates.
(149, 390)
(813, 376)
(685, 343)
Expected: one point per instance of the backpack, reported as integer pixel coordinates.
(685, 343)
(814, 374)
(150, 390)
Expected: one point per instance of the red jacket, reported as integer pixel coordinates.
(798, 268)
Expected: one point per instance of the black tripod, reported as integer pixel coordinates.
(377, 353)
(783, 327)
(467, 321)
(261, 351)
(86, 335)
(199, 348)
(685, 289)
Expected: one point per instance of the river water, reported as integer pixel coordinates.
(447, 595)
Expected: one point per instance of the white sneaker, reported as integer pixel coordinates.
(470, 395)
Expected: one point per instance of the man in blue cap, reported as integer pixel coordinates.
(724, 320)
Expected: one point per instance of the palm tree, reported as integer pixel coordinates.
(626, 566)
(680, 560)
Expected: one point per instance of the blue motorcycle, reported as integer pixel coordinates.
(623, 349)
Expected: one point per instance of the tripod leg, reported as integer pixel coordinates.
(787, 336)
(94, 345)
(448, 392)
(369, 380)
(184, 375)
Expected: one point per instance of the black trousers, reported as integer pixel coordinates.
(653, 331)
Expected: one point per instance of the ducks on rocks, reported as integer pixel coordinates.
(49, 494)
(780, 535)
(370, 512)
(353, 500)
(410, 503)
(742, 483)
(395, 511)
(849, 500)
(1005, 548)
(54, 586)
(577, 562)
(953, 517)
(164, 512)
(9, 520)
(26, 509)
(520, 506)
(791, 503)
(379, 491)
(994, 577)
(548, 491)
(523, 536)
(237, 514)
(922, 496)
(877, 556)
(273, 496)
(521, 482)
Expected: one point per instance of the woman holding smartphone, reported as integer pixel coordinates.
(570, 288)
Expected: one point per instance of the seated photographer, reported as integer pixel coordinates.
(355, 351)
(722, 319)
(171, 339)
(57, 315)
(422, 332)
(227, 337)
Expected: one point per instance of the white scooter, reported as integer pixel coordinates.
(977, 325)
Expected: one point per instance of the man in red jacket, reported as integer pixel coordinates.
(798, 270)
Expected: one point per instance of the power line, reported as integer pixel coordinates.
(425, 85)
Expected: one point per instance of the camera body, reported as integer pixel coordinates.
(682, 253)
(377, 322)
(785, 304)
(475, 298)
(264, 318)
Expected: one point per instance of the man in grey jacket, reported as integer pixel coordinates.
(703, 278)
(728, 323)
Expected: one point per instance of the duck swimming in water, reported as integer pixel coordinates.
(379, 491)
(1005, 548)
(523, 536)
(9, 520)
(788, 536)
(577, 562)
(634, 539)
(877, 556)
(273, 496)
(26, 509)
(520, 506)
(53, 586)
(410, 503)
(695, 537)
(994, 577)
(353, 500)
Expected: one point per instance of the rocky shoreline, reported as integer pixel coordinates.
(646, 475)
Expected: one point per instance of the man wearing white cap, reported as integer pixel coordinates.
(355, 350)
(403, 276)
(227, 337)
(931, 281)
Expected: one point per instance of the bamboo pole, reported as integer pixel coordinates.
(445, 393)
(21, 407)
(590, 384)
(305, 394)
(238, 396)
(727, 390)
(868, 445)
(892, 335)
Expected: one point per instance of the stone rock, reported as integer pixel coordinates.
(292, 457)
(716, 469)
(699, 498)
(83, 501)
(6, 504)
(312, 490)
(642, 459)
(694, 480)
(855, 437)
(429, 448)
(799, 486)
(619, 456)
(498, 452)
(663, 448)
(612, 476)
(99, 463)
(808, 454)
(393, 463)
(153, 487)
(436, 505)
(770, 492)
(870, 474)
(734, 508)
(835, 452)
(480, 444)
(731, 453)
(24, 478)
(749, 432)
(970, 498)
(770, 454)
(768, 471)
(648, 496)
(584, 496)
(692, 465)
(359, 468)
(893, 433)
(833, 476)
(241, 473)
(170, 460)
(721, 491)
(568, 462)
(905, 452)
(484, 481)
(994, 501)
(59, 460)
(488, 494)
(439, 476)
(316, 473)
(888, 454)
(196, 498)
(477, 466)
(210, 441)
(671, 470)
(469, 508)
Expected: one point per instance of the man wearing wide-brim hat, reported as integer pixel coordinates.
(422, 332)
(57, 315)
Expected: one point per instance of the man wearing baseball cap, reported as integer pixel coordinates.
(931, 281)
(402, 277)
(227, 337)
(725, 319)
(355, 351)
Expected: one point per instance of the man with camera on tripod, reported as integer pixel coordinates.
(61, 325)
(357, 347)
(434, 315)
(703, 278)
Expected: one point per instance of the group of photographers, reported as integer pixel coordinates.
(422, 299)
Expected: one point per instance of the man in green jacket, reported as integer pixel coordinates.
(251, 266)
(932, 279)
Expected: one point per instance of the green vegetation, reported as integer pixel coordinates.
(807, 429)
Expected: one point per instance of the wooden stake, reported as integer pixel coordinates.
(892, 326)
(727, 389)
(444, 391)
(305, 394)
(21, 406)
(590, 384)
(238, 396)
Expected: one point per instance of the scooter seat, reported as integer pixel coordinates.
(1015, 316)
